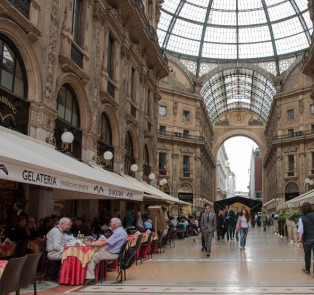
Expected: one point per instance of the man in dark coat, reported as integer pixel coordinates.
(229, 216)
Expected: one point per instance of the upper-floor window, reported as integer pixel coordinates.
(67, 106)
(76, 20)
(163, 111)
(106, 133)
(312, 161)
(162, 164)
(290, 114)
(148, 104)
(133, 84)
(110, 61)
(186, 133)
(162, 129)
(186, 163)
(290, 132)
(186, 115)
(291, 163)
(12, 73)
(312, 109)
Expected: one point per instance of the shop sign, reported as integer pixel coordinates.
(186, 197)
(14, 112)
(36, 177)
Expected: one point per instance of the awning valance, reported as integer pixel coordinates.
(27, 160)
(298, 201)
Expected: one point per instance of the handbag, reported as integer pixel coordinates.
(239, 226)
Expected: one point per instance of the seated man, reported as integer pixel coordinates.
(111, 250)
(79, 226)
(56, 243)
(19, 232)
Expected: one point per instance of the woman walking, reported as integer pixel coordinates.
(243, 225)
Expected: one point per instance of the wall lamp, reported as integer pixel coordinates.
(134, 167)
(67, 138)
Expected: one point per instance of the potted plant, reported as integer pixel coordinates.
(281, 222)
(293, 216)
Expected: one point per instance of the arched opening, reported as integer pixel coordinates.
(291, 191)
(68, 120)
(239, 169)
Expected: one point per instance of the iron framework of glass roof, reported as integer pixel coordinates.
(234, 30)
(238, 89)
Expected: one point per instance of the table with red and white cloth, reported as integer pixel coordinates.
(3, 264)
(74, 264)
(7, 249)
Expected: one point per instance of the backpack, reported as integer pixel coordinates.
(129, 258)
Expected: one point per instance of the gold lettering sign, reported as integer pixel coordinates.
(9, 104)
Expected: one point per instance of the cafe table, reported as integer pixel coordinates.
(7, 249)
(35, 246)
(74, 264)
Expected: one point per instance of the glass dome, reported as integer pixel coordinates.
(234, 30)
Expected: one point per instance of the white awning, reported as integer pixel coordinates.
(298, 201)
(25, 159)
(152, 192)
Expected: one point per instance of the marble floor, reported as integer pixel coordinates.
(269, 265)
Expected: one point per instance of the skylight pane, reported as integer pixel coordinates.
(220, 35)
(183, 45)
(164, 21)
(252, 17)
(199, 2)
(187, 29)
(308, 21)
(249, 4)
(219, 51)
(254, 34)
(287, 28)
(291, 44)
(224, 4)
(161, 36)
(256, 50)
(193, 13)
(222, 18)
(272, 2)
(302, 4)
(280, 11)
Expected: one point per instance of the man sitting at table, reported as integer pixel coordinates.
(56, 243)
(111, 251)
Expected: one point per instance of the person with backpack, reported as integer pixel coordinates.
(112, 247)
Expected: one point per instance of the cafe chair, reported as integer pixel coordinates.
(160, 247)
(29, 269)
(103, 264)
(121, 271)
(20, 249)
(181, 231)
(10, 279)
(148, 245)
(138, 247)
(45, 263)
(170, 237)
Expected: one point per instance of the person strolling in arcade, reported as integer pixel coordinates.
(208, 227)
(306, 234)
(243, 226)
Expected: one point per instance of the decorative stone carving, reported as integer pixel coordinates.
(66, 25)
(301, 106)
(52, 52)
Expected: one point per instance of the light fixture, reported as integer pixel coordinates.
(311, 182)
(307, 180)
(67, 137)
(151, 176)
(108, 155)
(160, 182)
(164, 181)
(134, 167)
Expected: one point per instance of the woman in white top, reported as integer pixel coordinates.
(139, 220)
(243, 225)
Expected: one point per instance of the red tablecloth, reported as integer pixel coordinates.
(3, 264)
(74, 264)
(7, 250)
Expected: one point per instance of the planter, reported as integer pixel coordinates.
(294, 233)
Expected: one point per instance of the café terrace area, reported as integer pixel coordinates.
(269, 265)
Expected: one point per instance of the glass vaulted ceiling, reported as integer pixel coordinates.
(238, 89)
(201, 31)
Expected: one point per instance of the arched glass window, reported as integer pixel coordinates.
(12, 72)
(67, 106)
(68, 120)
(129, 155)
(106, 133)
(292, 191)
(186, 193)
(14, 108)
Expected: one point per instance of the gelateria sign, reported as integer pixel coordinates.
(13, 112)
(32, 176)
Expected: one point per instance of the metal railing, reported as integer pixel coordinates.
(292, 135)
(180, 135)
(111, 89)
(76, 56)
